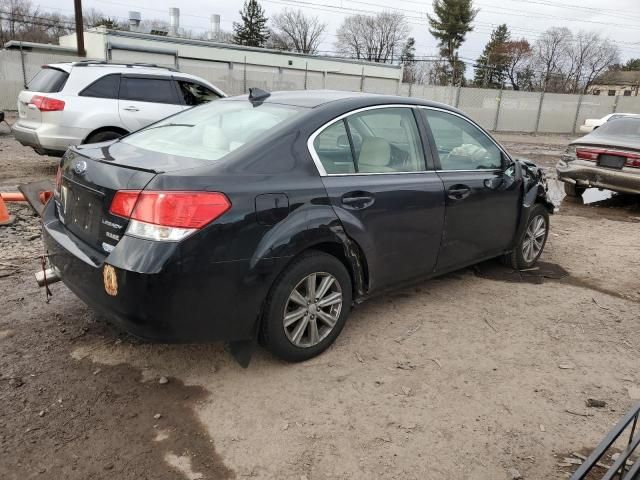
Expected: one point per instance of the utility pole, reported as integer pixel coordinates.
(77, 6)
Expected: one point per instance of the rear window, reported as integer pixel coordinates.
(619, 127)
(211, 131)
(48, 80)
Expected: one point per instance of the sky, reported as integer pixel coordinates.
(618, 19)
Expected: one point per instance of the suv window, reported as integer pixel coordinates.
(333, 149)
(105, 87)
(154, 90)
(195, 94)
(461, 145)
(386, 140)
(48, 80)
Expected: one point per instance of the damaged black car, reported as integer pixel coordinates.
(266, 217)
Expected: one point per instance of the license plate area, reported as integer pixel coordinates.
(611, 161)
(82, 209)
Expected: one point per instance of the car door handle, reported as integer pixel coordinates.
(131, 109)
(458, 192)
(357, 200)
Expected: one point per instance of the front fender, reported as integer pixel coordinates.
(535, 190)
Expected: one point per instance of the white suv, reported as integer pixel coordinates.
(88, 102)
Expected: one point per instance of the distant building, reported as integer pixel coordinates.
(233, 67)
(616, 83)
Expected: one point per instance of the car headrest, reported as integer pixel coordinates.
(375, 152)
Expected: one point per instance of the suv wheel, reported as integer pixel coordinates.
(531, 244)
(572, 190)
(103, 136)
(307, 307)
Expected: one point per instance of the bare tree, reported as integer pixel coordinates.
(517, 56)
(297, 32)
(376, 38)
(550, 54)
(19, 20)
(590, 55)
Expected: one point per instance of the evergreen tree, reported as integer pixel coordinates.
(450, 24)
(408, 61)
(491, 66)
(253, 31)
(632, 64)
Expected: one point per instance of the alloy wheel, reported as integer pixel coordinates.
(534, 238)
(312, 309)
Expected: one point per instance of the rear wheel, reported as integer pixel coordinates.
(531, 244)
(103, 136)
(307, 307)
(572, 190)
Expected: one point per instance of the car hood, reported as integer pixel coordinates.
(630, 143)
(127, 156)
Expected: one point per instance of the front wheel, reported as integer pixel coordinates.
(307, 307)
(531, 244)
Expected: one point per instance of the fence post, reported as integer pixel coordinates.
(362, 80)
(231, 86)
(410, 88)
(244, 75)
(539, 114)
(575, 120)
(306, 73)
(398, 85)
(615, 103)
(24, 71)
(497, 117)
(458, 91)
(324, 80)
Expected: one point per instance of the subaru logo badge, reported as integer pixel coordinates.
(80, 167)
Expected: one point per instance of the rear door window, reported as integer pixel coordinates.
(106, 87)
(386, 140)
(141, 89)
(195, 94)
(48, 80)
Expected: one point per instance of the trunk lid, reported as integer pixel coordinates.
(121, 154)
(88, 185)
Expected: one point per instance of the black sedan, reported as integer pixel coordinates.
(266, 217)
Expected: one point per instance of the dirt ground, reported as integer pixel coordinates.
(481, 374)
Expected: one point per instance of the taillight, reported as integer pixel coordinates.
(47, 104)
(592, 154)
(168, 216)
(587, 154)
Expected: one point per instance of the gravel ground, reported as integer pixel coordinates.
(480, 374)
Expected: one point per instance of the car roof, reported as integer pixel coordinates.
(317, 98)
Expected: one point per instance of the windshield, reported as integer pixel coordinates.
(620, 127)
(213, 130)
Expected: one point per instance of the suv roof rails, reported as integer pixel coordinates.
(86, 63)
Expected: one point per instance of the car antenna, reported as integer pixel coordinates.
(257, 94)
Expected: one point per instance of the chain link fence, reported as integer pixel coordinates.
(496, 110)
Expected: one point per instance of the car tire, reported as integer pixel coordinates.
(103, 136)
(311, 328)
(526, 252)
(572, 190)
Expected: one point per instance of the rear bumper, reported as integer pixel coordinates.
(586, 174)
(215, 304)
(47, 139)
